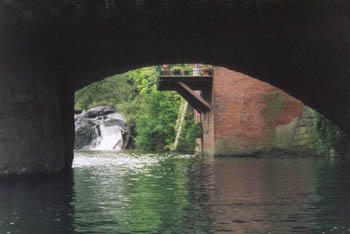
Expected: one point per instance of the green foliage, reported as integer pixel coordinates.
(193, 132)
(145, 79)
(110, 91)
(151, 114)
(156, 125)
(156, 118)
(176, 67)
(327, 135)
(181, 67)
(190, 131)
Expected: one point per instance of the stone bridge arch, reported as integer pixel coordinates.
(49, 48)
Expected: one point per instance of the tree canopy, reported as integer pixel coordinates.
(151, 114)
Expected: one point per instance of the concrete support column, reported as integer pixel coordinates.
(34, 125)
(66, 92)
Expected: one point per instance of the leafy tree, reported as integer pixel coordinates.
(156, 125)
(151, 114)
(110, 91)
(329, 135)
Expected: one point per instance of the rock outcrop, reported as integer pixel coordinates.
(100, 128)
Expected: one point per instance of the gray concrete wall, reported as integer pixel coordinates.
(33, 120)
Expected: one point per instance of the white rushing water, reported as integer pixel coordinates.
(111, 138)
(99, 131)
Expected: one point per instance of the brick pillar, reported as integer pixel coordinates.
(246, 113)
(208, 123)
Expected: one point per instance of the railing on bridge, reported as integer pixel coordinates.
(188, 81)
(186, 70)
(196, 76)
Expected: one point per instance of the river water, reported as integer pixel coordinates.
(110, 192)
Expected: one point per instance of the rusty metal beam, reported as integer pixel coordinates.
(193, 98)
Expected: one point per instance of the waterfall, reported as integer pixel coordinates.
(111, 138)
(100, 128)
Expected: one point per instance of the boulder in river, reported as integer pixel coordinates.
(100, 128)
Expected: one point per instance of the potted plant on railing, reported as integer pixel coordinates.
(206, 70)
(196, 70)
(187, 71)
(165, 70)
(176, 70)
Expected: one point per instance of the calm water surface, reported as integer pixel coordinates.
(111, 192)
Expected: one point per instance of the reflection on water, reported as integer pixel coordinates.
(37, 206)
(155, 193)
(134, 194)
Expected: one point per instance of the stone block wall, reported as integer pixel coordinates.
(305, 135)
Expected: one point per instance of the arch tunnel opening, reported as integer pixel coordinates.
(49, 50)
(234, 114)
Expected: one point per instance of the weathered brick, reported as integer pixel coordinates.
(237, 122)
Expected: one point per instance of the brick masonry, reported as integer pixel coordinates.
(250, 117)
